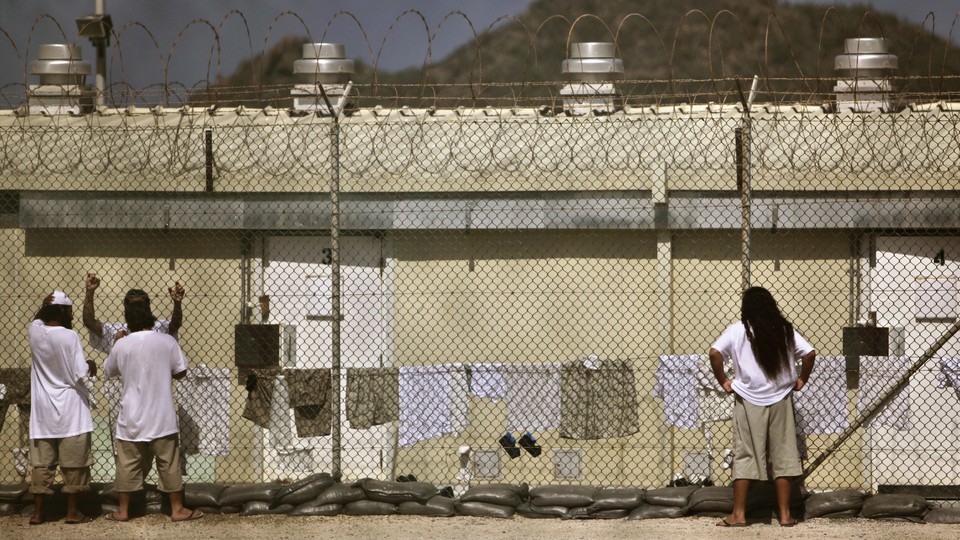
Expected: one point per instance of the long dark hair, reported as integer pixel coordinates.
(770, 334)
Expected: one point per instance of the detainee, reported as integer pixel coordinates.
(103, 335)
(764, 348)
(147, 362)
(60, 420)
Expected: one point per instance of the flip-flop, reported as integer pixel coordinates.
(196, 514)
(83, 519)
(789, 523)
(112, 517)
(33, 522)
(724, 523)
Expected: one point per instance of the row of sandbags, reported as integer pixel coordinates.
(321, 495)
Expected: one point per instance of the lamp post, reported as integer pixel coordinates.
(98, 27)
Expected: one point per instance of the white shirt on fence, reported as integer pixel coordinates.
(146, 361)
(59, 402)
(750, 382)
(105, 342)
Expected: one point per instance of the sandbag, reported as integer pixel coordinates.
(894, 505)
(149, 494)
(340, 494)
(711, 499)
(257, 508)
(480, 509)
(833, 502)
(202, 494)
(584, 512)
(670, 496)
(311, 508)
(397, 492)
(369, 508)
(852, 513)
(9, 508)
(528, 510)
(617, 499)
(153, 508)
(12, 492)
(303, 491)
(437, 506)
(654, 511)
(240, 494)
(943, 515)
(493, 494)
(219, 509)
(567, 496)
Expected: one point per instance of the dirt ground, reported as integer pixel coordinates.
(465, 528)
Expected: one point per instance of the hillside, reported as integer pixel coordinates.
(680, 50)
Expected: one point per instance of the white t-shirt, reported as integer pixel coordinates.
(59, 402)
(750, 382)
(146, 362)
(105, 343)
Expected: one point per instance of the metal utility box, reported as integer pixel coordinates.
(863, 341)
(866, 341)
(257, 345)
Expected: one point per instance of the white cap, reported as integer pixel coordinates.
(60, 298)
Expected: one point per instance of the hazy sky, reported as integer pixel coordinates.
(32, 22)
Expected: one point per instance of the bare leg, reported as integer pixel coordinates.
(37, 509)
(177, 510)
(739, 515)
(73, 512)
(783, 485)
(123, 512)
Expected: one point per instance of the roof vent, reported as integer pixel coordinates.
(591, 69)
(324, 65)
(863, 75)
(62, 75)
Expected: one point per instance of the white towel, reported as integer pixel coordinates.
(821, 407)
(283, 426)
(487, 381)
(878, 374)
(677, 381)
(203, 414)
(532, 396)
(433, 402)
(90, 384)
(112, 391)
(949, 375)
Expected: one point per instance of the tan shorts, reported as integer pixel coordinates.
(135, 459)
(765, 436)
(72, 454)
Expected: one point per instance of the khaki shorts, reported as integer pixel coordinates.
(765, 436)
(135, 459)
(72, 454)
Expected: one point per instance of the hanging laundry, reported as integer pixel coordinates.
(821, 406)
(259, 386)
(203, 412)
(487, 380)
(598, 403)
(433, 402)
(878, 375)
(309, 397)
(17, 383)
(690, 392)
(949, 375)
(532, 396)
(373, 396)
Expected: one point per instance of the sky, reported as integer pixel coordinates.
(181, 32)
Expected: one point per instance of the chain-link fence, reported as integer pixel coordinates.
(500, 294)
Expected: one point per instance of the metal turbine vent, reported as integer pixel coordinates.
(863, 75)
(62, 76)
(592, 68)
(324, 65)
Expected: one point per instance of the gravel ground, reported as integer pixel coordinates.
(465, 528)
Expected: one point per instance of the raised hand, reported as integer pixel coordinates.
(92, 281)
(177, 292)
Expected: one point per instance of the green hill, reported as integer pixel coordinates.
(680, 50)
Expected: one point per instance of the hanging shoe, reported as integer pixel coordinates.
(528, 443)
(510, 445)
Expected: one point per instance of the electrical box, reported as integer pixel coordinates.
(257, 345)
(866, 341)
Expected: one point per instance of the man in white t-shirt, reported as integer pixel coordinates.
(147, 362)
(103, 335)
(60, 421)
(764, 348)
